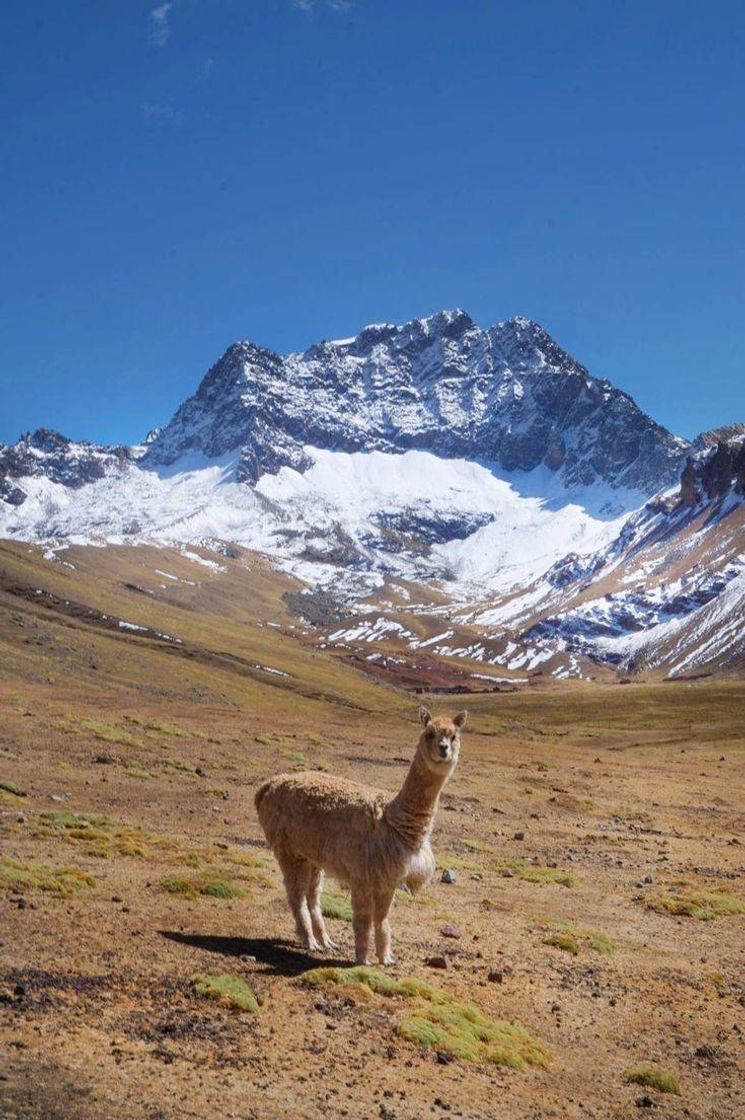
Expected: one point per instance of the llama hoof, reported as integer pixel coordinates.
(388, 959)
(362, 961)
(312, 946)
(330, 945)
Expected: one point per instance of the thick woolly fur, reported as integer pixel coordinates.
(363, 837)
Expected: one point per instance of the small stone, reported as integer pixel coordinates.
(116, 898)
(444, 1058)
(21, 903)
(649, 878)
(19, 990)
(644, 1102)
(508, 873)
(20, 819)
(450, 931)
(495, 975)
(438, 962)
(448, 876)
(519, 836)
(199, 772)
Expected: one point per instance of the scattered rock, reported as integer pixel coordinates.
(495, 975)
(448, 876)
(444, 1058)
(645, 1102)
(649, 878)
(450, 931)
(519, 836)
(438, 962)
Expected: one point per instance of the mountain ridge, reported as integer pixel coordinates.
(563, 526)
(508, 394)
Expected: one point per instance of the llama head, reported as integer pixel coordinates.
(439, 742)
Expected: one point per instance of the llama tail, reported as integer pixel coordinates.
(260, 792)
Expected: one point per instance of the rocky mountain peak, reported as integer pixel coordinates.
(509, 395)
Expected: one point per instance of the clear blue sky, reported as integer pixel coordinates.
(178, 175)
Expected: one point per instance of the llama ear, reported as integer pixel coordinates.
(424, 716)
(460, 719)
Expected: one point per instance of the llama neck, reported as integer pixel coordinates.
(412, 811)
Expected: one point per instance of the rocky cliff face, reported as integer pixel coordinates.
(714, 472)
(45, 453)
(508, 395)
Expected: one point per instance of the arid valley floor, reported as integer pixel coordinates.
(596, 832)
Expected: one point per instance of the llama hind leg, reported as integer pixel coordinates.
(361, 924)
(381, 909)
(314, 905)
(296, 872)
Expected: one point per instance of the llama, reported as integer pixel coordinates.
(363, 837)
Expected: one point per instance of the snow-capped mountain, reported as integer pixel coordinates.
(508, 396)
(556, 521)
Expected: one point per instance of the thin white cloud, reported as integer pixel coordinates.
(206, 69)
(160, 28)
(309, 6)
(159, 113)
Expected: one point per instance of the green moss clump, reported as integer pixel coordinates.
(455, 863)
(336, 906)
(65, 881)
(138, 772)
(11, 787)
(230, 990)
(653, 1079)
(599, 942)
(207, 883)
(177, 764)
(478, 846)
(438, 1020)
(563, 941)
(106, 732)
(105, 836)
(701, 904)
(534, 873)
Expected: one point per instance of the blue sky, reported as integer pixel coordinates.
(180, 174)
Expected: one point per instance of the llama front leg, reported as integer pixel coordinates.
(296, 872)
(314, 906)
(362, 924)
(381, 909)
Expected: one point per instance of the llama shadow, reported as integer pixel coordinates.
(280, 958)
